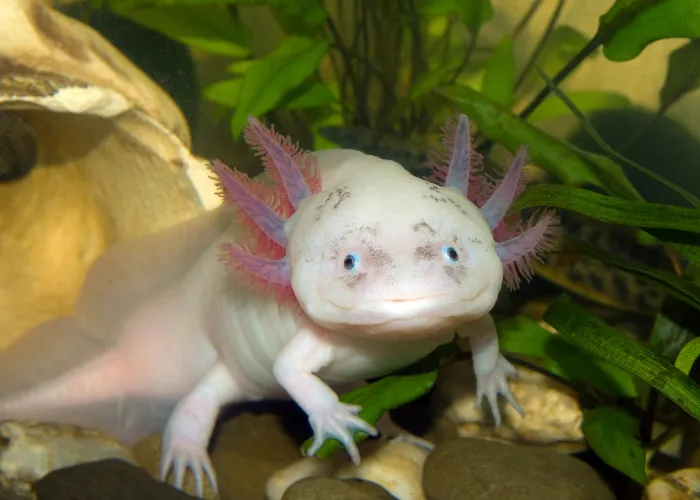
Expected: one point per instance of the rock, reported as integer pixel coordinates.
(395, 464)
(106, 480)
(479, 469)
(683, 484)
(326, 488)
(30, 450)
(552, 414)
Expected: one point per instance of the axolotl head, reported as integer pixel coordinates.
(381, 251)
(364, 247)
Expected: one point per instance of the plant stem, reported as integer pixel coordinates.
(520, 27)
(467, 57)
(563, 73)
(541, 44)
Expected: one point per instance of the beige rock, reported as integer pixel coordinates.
(552, 414)
(113, 162)
(683, 484)
(30, 450)
(396, 465)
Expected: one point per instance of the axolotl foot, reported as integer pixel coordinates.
(494, 382)
(337, 420)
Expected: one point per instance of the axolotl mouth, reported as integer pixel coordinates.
(415, 317)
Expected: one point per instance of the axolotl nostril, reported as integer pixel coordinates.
(339, 267)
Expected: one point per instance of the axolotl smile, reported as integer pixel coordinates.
(418, 261)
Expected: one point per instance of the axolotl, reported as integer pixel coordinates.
(335, 266)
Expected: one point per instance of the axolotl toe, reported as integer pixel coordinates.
(336, 267)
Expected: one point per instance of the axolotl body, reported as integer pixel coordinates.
(339, 267)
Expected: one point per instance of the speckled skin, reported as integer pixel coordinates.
(164, 336)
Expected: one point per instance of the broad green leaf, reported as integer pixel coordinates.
(688, 355)
(683, 74)
(668, 338)
(239, 68)
(225, 92)
(630, 25)
(570, 164)
(609, 208)
(601, 339)
(499, 76)
(387, 394)
(473, 13)
(612, 434)
(311, 96)
(585, 100)
(678, 287)
(556, 354)
(207, 27)
(273, 76)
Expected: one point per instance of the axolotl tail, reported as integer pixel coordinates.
(117, 365)
(61, 373)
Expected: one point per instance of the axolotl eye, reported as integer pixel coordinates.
(450, 253)
(351, 262)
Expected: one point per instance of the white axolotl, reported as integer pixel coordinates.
(342, 267)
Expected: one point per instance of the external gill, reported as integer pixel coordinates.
(264, 209)
(456, 164)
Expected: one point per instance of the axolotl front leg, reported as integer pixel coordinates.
(294, 369)
(490, 366)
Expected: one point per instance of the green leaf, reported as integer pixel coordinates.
(688, 355)
(612, 434)
(609, 208)
(207, 27)
(273, 76)
(387, 394)
(570, 164)
(630, 25)
(225, 92)
(668, 338)
(678, 287)
(314, 95)
(602, 340)
(301, 17)
(473, 13)
(585, 100)
(499, 76)
(556, 354)
(683, 74)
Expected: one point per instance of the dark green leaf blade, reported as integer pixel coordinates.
(499, 75)
(268, 80)
(524, 336)
(609, 208)
(630, 25)
(611, 433)
(570, 164)
(683, 74)
(602, 340)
